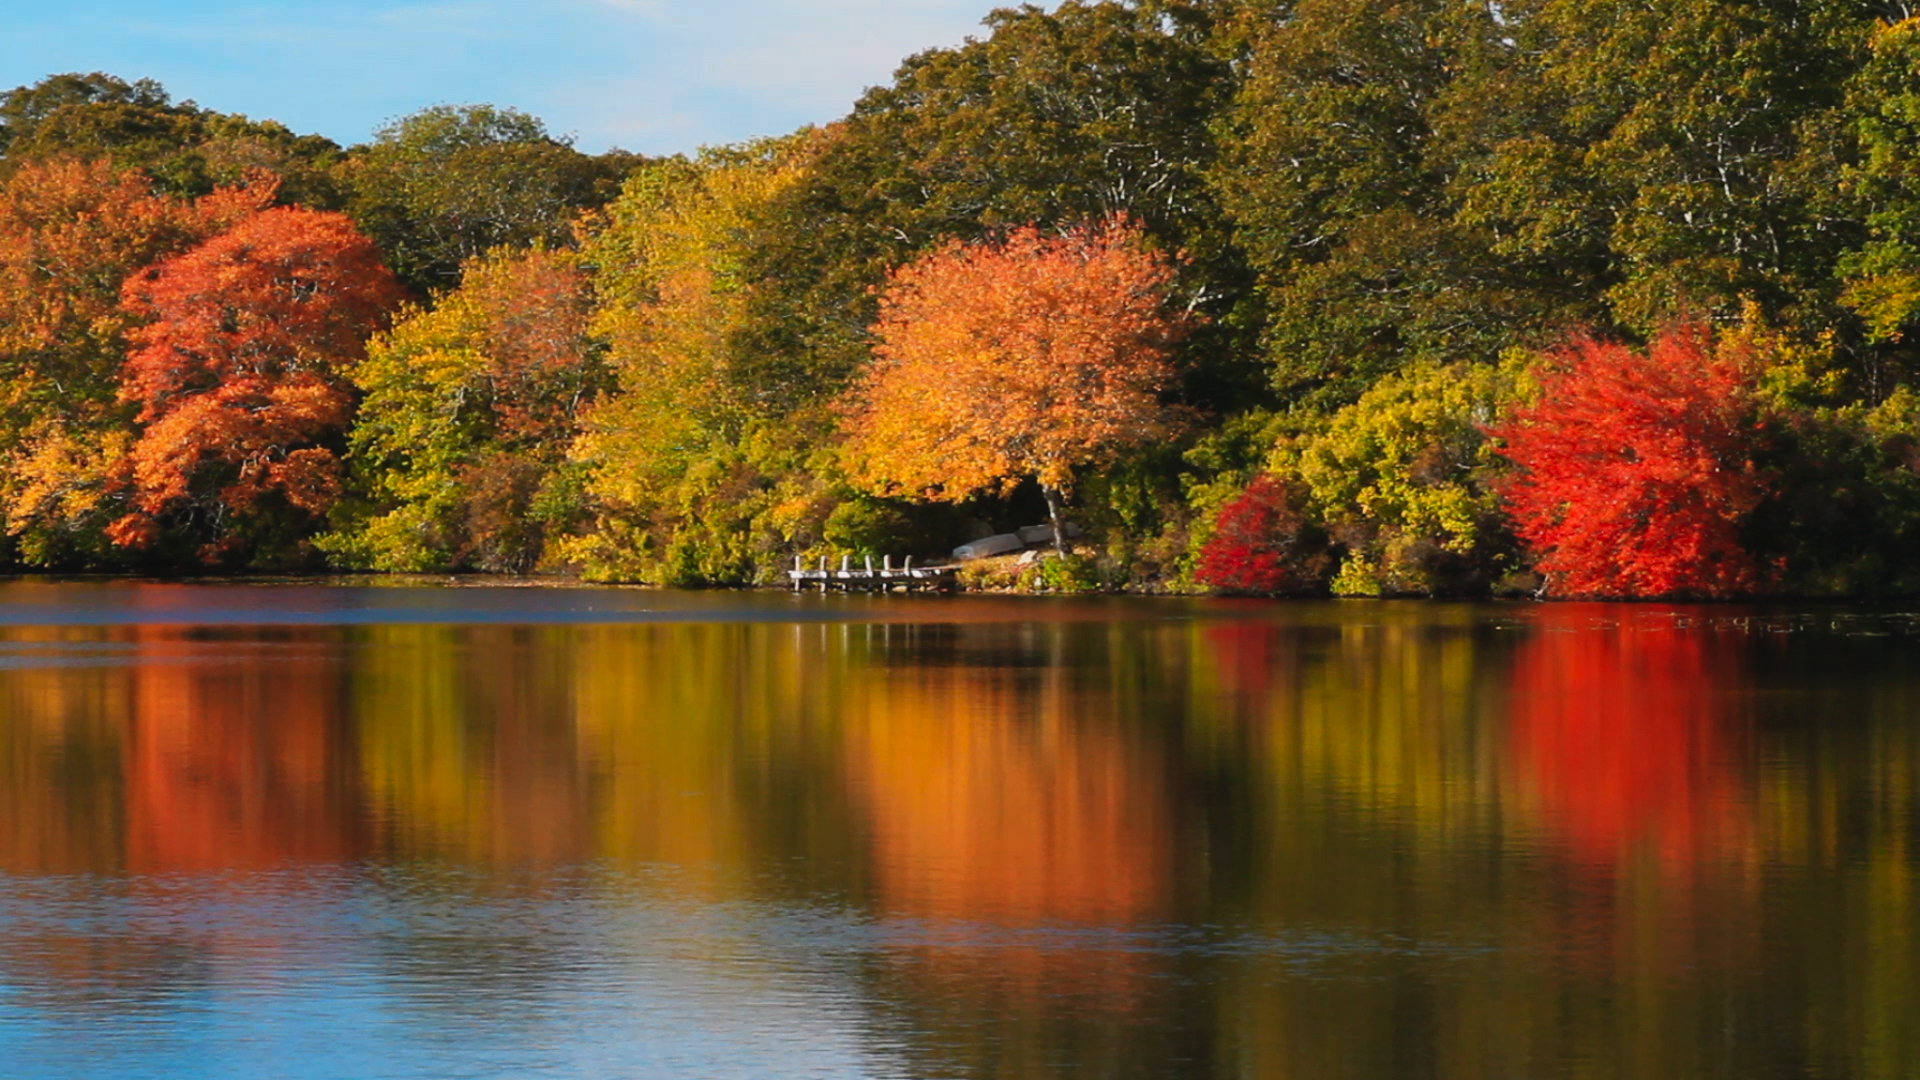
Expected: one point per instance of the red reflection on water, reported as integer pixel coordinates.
(1625, 736)
(235, 765)
(1245, 654)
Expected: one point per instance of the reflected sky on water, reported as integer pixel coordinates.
(321, 831)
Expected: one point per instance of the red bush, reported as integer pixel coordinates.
(1636, 470)
(1261, 544)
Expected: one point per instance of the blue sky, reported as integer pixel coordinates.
(648, 75)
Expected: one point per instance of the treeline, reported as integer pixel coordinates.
(1376, 298)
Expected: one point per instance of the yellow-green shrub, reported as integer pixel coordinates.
(1402, 479)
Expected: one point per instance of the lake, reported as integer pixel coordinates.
(314, 831)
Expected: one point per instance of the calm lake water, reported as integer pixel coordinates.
(397, 832)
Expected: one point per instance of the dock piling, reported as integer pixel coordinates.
(887, 577)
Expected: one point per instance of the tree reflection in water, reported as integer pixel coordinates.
(1297, 839)
(1633, 737)
(234, 756)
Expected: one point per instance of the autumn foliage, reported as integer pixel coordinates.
(66, 224)
(467, 409)
(1016, 359)
(239, 373)
(70, 233)
(1636, 470)
(1125, 254)
(1262, 543)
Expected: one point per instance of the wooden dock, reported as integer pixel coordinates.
(870, 578)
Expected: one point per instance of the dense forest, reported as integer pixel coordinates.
(1562, 297)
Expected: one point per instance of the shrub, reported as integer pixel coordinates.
(1637, 469)
(1404, 480)
(1842, 513)
(1263, 543)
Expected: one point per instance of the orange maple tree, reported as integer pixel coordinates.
(70, 233)
(1636, 470)
(1016, 359)
(239, 374)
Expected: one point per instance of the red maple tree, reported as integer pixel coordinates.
(1636, 469)
(239, 373)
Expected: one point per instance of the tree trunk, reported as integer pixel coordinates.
(1057, 512)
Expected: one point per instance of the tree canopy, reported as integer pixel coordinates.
(1020, 358)
(185, 149)
(468, 410)
(1052, 118)
(1291, 296)
(452, 182)
(239, 370)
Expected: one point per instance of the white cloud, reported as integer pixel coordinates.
(722, 72)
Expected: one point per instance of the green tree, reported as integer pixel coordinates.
(452, 182)
(1338, 155)
(1417, 180)
(25, 109)
(187, 150)
(1883, 276)
(1713, 139)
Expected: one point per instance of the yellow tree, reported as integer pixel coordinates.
(689, 474)
(1024, 358)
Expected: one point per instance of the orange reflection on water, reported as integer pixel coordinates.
(989, 800)
(60, 737)
(237, 764)
(1250, 658)
(996, 796)
(1624, 736)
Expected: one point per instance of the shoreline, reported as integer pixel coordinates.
(572, 583)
